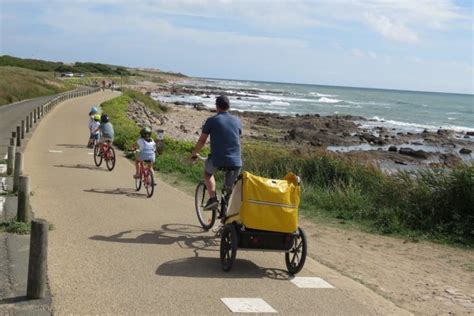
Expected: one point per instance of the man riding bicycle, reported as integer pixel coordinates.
(225, 130)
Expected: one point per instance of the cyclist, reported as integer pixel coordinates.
(225, 130)
(147, 147)
(94, 125)
(106, 130)
(93, 111)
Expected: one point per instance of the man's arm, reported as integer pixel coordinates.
(199, 145)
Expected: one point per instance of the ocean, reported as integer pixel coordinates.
(403, 110)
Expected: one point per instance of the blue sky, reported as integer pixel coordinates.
(397, 44)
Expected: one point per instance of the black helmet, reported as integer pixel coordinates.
(104, 118)
(146, 131)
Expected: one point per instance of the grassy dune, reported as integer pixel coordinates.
(18, 84)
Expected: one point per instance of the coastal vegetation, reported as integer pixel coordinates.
(434, 204)
(49, 66)
(19, 84)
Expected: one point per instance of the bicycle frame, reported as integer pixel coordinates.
(144, 171)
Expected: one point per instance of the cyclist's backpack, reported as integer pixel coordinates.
(269, 204)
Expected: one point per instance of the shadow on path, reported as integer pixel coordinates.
(119, 191)
(205, 267)
(191, 237)
(81, 166)
(13, 300)
(72, 146)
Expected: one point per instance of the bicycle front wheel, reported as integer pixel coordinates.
(97, 158)
(150, 184)
(138, 181)
(206, 218)
(110, 159)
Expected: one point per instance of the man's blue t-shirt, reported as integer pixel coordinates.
(225, 131)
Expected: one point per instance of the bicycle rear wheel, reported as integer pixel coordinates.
(97, 158)
(110, 158)
(150, 184)
(206, 218)
(228, 248)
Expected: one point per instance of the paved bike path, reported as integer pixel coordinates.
(113, 250)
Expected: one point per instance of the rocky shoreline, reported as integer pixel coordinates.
(342, 135)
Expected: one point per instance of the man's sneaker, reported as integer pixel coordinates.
(211, 203)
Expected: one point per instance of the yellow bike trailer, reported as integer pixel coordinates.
(262, 214)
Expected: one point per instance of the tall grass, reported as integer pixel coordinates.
(437, 204)
(18, 84)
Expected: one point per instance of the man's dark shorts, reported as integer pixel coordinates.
(231, 174)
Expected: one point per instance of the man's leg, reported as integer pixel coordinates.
(210, 182)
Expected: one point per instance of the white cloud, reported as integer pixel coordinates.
(390, 29)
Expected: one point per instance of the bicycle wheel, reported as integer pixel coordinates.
(110, 158)
(228, 247)
(138, 181)
(150, 184)
(296, 257)
(97, 158)
(206, 217)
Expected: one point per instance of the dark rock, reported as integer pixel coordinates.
(465, 151)
(368, 137)
(417, 143)
(400, 162)
(425, 131)
(392, 148)
(346, 134)
(470, 133)
(466, 136)
(317, 115)
(413, 153)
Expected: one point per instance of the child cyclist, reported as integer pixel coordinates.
(94, 125)
(106, 130)
(147, 147)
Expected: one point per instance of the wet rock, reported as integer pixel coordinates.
(368, 137)
(417, 143)
(466, 136)
(200, 107)
(413, 153)
(470, 133)
(465, 151)
(392, 148)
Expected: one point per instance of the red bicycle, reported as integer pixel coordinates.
(146, 177)
(104, 152)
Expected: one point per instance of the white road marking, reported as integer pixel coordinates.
(247, 305)
(3, 168)
(2, 185)
(56, 151)
(311, 283)
(2, 201)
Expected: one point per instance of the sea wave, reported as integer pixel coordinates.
(317, 94)
(413, 126)
(328, 100)
(281, 103)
